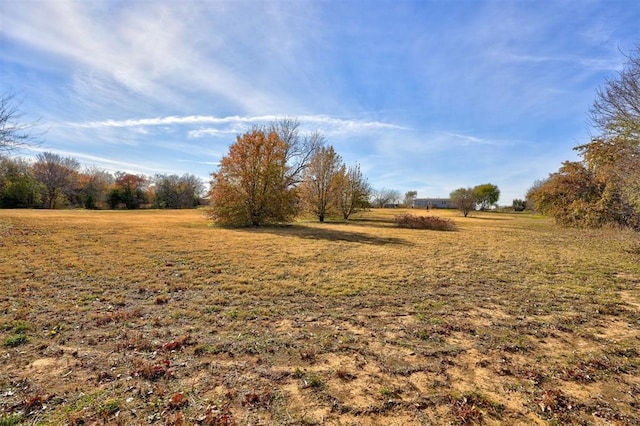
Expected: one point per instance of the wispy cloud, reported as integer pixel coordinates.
(321, 121)
(170, 52)
(472, 140)
(593, 64)
(109, 163)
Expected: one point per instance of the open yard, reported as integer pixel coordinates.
(156, 317)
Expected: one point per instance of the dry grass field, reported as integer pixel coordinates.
(156, 317)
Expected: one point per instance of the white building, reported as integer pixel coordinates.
(432, 203)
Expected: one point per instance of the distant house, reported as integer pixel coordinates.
(432, 203)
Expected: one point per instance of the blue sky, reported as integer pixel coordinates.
(425, 95)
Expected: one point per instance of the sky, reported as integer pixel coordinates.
(429, 95)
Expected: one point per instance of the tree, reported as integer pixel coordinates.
(18, 187)
(614, 156)
(530, 202)
(519, 205)
(464, 200)
(13, 133)
(130, 190)
(395, 196)
(177, 192)
(382, 197)
(94, 184)
(320, 188)
(57, 175)
(257, 181)
(486, 195)
(615, 161)
(354, 191)
(248, 188)
(616, 110)
(604, 187)
(409, 198)
(570, 195)
(298, 149)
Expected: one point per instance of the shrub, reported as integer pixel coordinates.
(519, 205)
(425, 222)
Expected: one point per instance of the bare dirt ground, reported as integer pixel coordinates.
(156, 317)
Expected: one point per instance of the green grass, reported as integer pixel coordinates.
(15, 340)
(11, 419)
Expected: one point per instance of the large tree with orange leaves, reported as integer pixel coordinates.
(248, 188)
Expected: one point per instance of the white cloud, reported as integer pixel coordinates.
(108, 163)
(323, 122)
(162, 51)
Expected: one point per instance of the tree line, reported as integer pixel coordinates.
(603, 188)
(53, 181)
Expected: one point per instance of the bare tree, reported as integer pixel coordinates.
(355, 191)
(299, 148)
(13, 133)
(616, 110)
(464, 199)
(177, 192)
(382, 197)
(322, 181)
(57, 174)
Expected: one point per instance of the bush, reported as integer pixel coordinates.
(425, 222)
(519, 205)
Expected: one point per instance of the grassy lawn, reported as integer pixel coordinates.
(157, 317)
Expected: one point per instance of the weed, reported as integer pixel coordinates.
(312, 380)
(15, 340)
(258, 399)
(19, 327)
(345, 375)
(136, 344)
(176, 344)
(153, 371)
(117, 316)
(298, 373)
(213, 416)
(177, 400)
(554, 401)
(232, 314)
(470, 408)
(11, 419)
(386, 392)
(163, 299)
(308, 356)
(212, 309)
(108, 408)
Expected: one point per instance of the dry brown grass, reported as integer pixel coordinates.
(157, 317)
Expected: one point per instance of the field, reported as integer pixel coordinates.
(156, 317)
